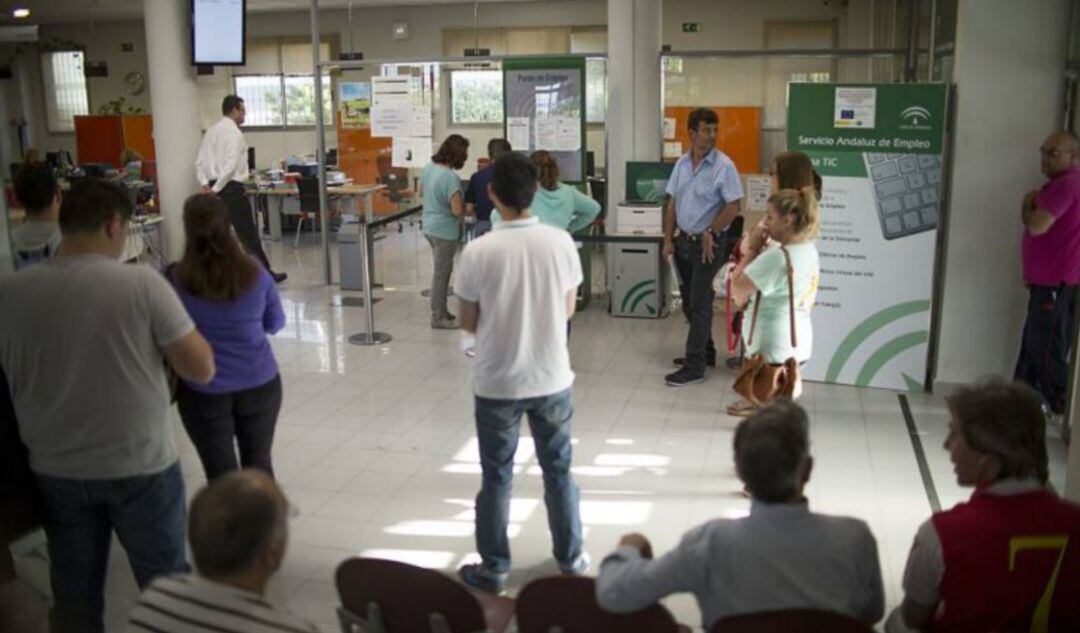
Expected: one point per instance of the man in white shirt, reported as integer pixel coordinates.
(238, 532)
(84, 340)
(222, 168)
(516, 288)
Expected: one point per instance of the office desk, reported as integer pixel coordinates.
(361, 200)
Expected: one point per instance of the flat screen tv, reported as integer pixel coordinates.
(217, 32)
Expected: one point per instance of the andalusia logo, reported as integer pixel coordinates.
(915, 118)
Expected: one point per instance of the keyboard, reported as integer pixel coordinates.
(906, 187)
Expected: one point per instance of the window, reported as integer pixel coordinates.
(476, 96)
(282, 100)
(65, 89)
(595, 90)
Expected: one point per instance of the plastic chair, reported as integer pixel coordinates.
(567, 604)
(790, 621)
(386, 596)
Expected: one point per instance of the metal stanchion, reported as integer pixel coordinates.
(369, 337)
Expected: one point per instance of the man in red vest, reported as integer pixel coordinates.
(1009, 558)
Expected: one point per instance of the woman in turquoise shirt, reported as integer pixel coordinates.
(443, 208)
(557, 204)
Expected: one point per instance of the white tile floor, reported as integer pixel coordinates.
(375, 444)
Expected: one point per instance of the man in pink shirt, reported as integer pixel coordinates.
(1051, 262)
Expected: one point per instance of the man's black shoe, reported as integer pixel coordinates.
(710, 360)
(279, 277)
(684, 376)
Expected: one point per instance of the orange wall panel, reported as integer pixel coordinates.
(357, 157)
(739, 136)
(139, 134)
(98, 139)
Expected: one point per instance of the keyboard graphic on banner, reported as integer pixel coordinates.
(906, 188)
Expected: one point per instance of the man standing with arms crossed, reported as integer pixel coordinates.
(1050, 251)
(222, 168)
(516, 290)
(704, 191)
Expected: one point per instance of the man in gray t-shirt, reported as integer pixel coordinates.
(781, 556)
(84, 340)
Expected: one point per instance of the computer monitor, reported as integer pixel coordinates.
(331, 156)
(590, 163)
(251, 158)
(647, 180)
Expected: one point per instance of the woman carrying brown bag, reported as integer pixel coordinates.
(776, 281)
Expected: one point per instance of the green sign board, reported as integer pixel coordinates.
(891, 118)
(691, 27)
(647, 180)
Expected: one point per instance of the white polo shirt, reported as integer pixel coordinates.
(520, 275)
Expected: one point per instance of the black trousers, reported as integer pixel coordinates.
(1044, 346)
(697, 294)
(215, 421)
(243, 221)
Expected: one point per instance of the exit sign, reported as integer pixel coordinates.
(691, 27)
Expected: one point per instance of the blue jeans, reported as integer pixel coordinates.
(148, 514)
(498, 424)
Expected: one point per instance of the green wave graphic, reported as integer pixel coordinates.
(887, 352)
(866, 329)
(644, 294)
(634, 289)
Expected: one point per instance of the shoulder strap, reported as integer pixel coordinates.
(791, 294)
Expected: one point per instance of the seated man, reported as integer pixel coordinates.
(1007, 559)
(38, 237)
(238, 532)
(782, 556)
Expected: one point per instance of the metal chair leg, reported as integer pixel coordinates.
(299, 227)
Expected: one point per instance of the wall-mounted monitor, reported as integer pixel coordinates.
(217, 32)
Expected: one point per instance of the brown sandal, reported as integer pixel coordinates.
(741, 409)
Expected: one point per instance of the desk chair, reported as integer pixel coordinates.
(567, 604)
(308, 188)
(386, 596)
(598, 191)
(790, 621)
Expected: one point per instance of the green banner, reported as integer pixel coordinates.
(892, 118)
(849, 164)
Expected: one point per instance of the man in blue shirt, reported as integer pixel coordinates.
(704, 191)
(477, 202)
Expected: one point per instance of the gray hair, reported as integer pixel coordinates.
(771, 447)
(233, 520)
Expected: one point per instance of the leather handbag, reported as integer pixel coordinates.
(758, 381)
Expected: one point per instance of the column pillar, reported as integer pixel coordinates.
(633, 116)
(174, 105)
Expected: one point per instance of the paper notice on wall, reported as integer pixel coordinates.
(420, 121)
(547, 133)
(392, 92)
(568, 133)
(386, 121)
(517, 133)
(669, 127)
(411, 151)
(672, 149)
(758, 190)
(855, 108)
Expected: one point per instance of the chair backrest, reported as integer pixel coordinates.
(598, 189)
(567, 604)
(308, 187)
(790, 620)
(406, 596)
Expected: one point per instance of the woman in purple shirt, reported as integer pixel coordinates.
(234, 304)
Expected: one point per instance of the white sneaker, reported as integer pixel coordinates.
(579, 567)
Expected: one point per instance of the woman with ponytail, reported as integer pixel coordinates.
(784, 297)
(234, 304)
(556, 203)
